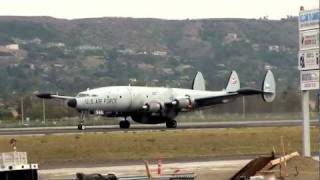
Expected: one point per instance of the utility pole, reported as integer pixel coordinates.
(318, 99)
(44, 111)
(22, 111)
(306, 124)
(243, 107)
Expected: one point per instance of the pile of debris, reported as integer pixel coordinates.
(149, 176)
(291, 167)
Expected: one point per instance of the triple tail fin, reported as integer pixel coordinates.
(199, 82)
(233, 83)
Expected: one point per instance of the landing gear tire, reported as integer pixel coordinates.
(81, 127)
(124, 124)
(171, 124)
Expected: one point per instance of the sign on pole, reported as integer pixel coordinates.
(309, 39)
(309, 60)
(309, 19)
(309, 80)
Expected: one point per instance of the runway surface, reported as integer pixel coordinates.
(142, 127)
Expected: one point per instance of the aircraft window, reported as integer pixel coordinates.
(94, 95)
(83, 95)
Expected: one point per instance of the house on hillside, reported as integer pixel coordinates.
(146, 67)
(53, 44)
(183, 67)
(159, 53)
(12, 46)
(126, 51)
(167, 71)
(274, 48)
(88, 47)
(231, 37)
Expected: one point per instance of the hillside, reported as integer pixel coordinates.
(67, 56)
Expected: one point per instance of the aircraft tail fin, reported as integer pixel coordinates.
(269, 87)
(199, 82)
(268, 90)
(233, 83)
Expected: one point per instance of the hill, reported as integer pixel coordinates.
(67, 56)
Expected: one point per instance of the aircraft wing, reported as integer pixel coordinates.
(214, 100)
(53, 96)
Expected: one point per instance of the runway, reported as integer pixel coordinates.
(142, 127)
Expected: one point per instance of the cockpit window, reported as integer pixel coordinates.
(94, 95)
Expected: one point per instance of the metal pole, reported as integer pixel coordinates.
(44, 111)
(318, 98)
(22, 111)
(243, 107)
(306, 124)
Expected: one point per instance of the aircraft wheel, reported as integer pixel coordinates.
(81, 127)
(124, 124)
(171, 124)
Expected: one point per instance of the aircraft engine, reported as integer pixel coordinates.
(152, 107)
(185, 103)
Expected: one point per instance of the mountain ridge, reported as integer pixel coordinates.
(55, 53)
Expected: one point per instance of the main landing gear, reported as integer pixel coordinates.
(124, 124)
(81, 125)
(171, 123)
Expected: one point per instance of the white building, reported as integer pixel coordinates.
(159, 53)
(274, 48)
(12, 46)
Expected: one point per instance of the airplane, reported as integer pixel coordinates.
(155, 105)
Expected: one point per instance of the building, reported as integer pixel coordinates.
(231, 37)
(274, 48)
(159, 53)
(12, 46)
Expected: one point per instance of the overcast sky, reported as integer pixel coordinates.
(166, 9)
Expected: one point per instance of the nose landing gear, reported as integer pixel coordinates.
(81, 125)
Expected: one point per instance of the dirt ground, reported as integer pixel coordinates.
(218, 175)
(300, 168)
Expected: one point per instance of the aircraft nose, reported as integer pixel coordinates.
(72, 103)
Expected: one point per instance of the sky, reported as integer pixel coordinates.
(164, 9)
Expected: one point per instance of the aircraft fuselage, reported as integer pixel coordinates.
(128, 99)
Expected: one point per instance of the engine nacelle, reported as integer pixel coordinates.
(153, 107)
(185, 103)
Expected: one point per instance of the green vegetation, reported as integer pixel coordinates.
(68, 56)
(186, 144)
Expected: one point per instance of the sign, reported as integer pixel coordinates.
(309, 60)
(309, 19)
(309, 80)
(309, 39)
